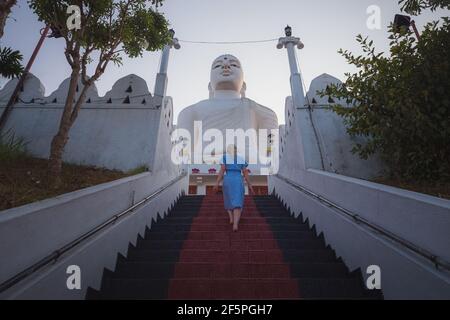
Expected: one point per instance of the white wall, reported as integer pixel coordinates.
(417, 218)
(201, 189)
(316, 138)
(31, 232)
(113, 135)
(420, 219)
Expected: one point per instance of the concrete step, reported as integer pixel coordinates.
(241, 289)
(260, 244)
(192, 254)
(156, 270)
(230, 235)
(225, 226)
(238, 256)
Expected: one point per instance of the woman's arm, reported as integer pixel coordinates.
(247, 179)
(219, 178)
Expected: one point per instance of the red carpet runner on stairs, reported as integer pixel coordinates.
(217, 263)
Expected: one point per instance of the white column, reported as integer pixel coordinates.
(161, 77)
(292, 56)
(165, 59)
(290, 43)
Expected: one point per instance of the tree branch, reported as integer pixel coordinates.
(5, 10)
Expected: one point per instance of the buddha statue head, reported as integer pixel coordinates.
(227, 75)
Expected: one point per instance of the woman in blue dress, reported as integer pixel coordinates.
(232, 172)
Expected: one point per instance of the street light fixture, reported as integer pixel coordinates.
(402, 21)
(288, 31)
(280, 44)
(55, 32)
(175, 44)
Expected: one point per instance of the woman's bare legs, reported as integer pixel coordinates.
(237, 216)
(230, 214)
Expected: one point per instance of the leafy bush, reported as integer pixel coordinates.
(416, 6)
(402, 102)
(11, 148)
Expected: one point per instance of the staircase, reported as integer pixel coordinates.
(193, 254)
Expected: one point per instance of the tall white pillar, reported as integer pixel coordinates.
(160, 155)
(292, 56)
(290, 43)
(161, 77)
(165, 59)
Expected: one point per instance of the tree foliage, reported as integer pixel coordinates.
(10, 60)
(416, 6)
(5, 10)
(10, 63)
(109, 30)
(401, 102)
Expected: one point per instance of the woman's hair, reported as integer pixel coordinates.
(232, 149)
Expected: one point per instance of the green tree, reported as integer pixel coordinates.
(109, 29)
(416, 6)
(10, 60)
(401, 102)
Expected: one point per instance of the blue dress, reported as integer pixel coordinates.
(233, 184)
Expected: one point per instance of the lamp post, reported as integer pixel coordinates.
(161, 78)
(402, 21)
(290, 43)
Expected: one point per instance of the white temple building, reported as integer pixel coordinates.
(312, 174)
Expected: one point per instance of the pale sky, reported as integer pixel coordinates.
(323, 25)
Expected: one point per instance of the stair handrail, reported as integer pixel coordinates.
(437, 261)
(55, 255)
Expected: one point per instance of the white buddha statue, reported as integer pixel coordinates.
(227, 106)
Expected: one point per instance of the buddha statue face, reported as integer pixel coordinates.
(227, 74)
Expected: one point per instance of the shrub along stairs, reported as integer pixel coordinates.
(193, 254)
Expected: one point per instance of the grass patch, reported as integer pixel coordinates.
(440, 189)
(24, 179)
(138, 170)
(11, 147)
